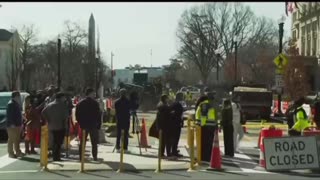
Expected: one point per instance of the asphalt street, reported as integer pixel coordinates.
(244, 165)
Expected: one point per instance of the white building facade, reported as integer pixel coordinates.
(306, 28)
(10, 60)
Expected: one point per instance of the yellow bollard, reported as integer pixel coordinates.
(42, 147)
(198, 128)
(191, 147)
(121, 152)
(83, 151)
(189, 132)
(44, 151)
(66, 144)
(158, 170)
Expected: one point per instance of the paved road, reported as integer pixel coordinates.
(245, 165)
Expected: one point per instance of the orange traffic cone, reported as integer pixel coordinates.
(144, 140)
(262, 161)
(215, 162)
(259, 140)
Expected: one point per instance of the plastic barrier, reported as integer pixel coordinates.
(265, 133)
(158, 170)
(312, 132)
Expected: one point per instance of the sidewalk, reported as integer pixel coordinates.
(110, 161)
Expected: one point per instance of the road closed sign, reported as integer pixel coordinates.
(289, 153)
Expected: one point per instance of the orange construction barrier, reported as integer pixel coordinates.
(144, 140)
(265, 133)
(215, 162)
(311, 132)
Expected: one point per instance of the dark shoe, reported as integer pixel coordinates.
(95, 159)
(58, 159)
(178, 155)
(13, 156)
(20, 154)
(33, 152)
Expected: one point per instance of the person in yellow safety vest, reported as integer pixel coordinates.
(206, 118)
(302, 121)
(172, 96)
(188, 99)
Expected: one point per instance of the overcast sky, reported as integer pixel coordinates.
(130, 30)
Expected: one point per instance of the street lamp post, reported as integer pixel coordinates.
(281, 24)
(235, 59)
(59, 64)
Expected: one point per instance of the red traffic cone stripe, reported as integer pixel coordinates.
(144, 140)
(215, 162)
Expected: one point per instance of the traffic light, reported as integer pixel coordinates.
(113, 73)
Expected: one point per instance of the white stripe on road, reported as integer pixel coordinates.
(245, 170)
(6, 160)
(18, 171)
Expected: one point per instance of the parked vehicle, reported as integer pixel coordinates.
(255, 102)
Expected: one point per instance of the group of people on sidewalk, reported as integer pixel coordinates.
(53, 110)
(169, 120)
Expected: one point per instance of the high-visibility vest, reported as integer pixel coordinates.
(189, 97)
(302, 121)
(172, 95)
(206, 114)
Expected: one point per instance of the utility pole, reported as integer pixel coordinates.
(112, 72)
(59, 64)
(218, 58)
(151, 57)
(235, 61)
(281, 24)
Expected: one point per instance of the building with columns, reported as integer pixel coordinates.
(306, 33)
(306, 28)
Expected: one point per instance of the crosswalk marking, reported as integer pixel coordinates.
(6, 160)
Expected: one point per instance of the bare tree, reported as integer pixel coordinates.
(198, 41)
(28, 35)
(74, 34)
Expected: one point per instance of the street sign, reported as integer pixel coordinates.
(279, 80)
(289, 153)
(280, 61)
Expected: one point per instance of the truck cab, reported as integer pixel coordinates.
(255, 102)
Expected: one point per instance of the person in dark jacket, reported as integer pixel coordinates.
(177, 123)
(14, 123)
(226, 123)
(56, 114)
(164, 124)
(122, 107)
(88, 115)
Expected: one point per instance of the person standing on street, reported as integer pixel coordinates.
(56, 115)
(206, 118)
(177, 123)
(238, 132)
(164, 124)
(14, 123)
(226, 123)
(302, 121)
(88, 115)
(122, 108)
